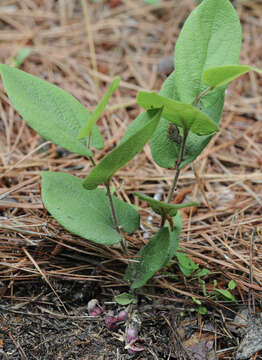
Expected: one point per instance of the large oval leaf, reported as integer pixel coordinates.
(211, 36)
(85, 213)
(151, 259)
(123, 153)
(87, 128)
(184, 115)
(162, 208)
(56, 115)
(221, 75)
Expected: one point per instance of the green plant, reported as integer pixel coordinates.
(225, 293)
(22, 54)
(179, 122)
(202, 310)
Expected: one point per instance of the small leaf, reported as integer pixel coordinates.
(196, 301)
(186, 264)
(226, 294)
(125, 299)
(85, 213)
(151, 259)
(97, 140)
(162, 208)
(184, 115)
(20, 57)
(123, 153)
(202, 310)
(204, 289)
(202, 273)
(232, 284)
(56, 115)
(87, 128)
(152, 2)
(221, 75)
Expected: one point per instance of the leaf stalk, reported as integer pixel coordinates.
(110, 198)
(177, 167)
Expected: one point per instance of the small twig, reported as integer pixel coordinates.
(90, 37)
(251, 301)
(18, 346)
(177, 167)
(50, 313)
(181, 351)
(46, 279)
(123, 242)
(4, 354)
(25, 157)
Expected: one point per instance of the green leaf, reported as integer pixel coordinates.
(56, 115)
(186, 116)
(221, 75)
(211, 36)
(87, 128)
(164, 150)
(174, 236)
(152, 2)
(204, 289)
(125, 299)
(196, 301)
(202, 310)
(162, 208)
(20, 57)
(232, 284)
(135, 126)
(123, 153)
(186, 264)
(202, 272)
(151, 259)
(226, 294)
(96, 140)
(85, 213)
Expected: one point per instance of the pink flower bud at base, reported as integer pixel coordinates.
(132, 340)
(110, 320)
(122, 316)
(93, 308)
(131, 334)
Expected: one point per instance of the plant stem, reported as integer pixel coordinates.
(92, 161)
(108, 193)
(202, 95)
(181, 153)
(177, 169)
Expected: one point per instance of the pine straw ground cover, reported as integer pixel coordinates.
(47, 274)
